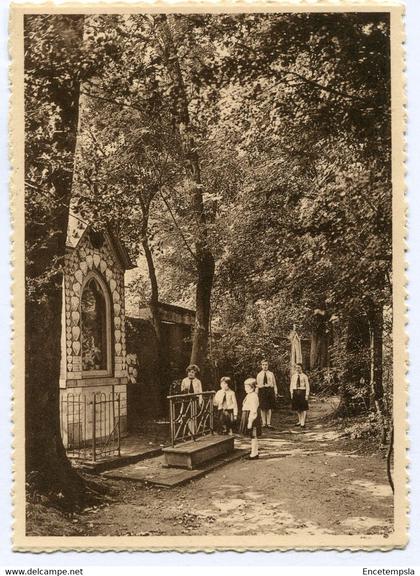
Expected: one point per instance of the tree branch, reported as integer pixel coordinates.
(322, 87)
(177, 225)
(301, 77)
(110, 101)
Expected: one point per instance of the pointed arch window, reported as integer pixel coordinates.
(95, 328)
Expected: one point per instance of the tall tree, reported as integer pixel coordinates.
(125, 164)
(309, 138)
(149, 73)
(52, 60)
(204, 257)
(315, 144)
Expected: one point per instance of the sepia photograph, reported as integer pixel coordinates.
(209, 278)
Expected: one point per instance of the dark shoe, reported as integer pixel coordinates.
(302, 425)
(252, 457)
(270, 427)
(297, 424)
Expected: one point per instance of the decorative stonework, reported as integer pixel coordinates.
(93, 296)
(132, 368)
(83, 262)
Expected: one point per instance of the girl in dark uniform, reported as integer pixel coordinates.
(267, 392)
(299, 392)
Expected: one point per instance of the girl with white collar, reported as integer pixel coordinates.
(251, 416)
(226, 405)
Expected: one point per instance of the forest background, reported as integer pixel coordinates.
(246, 159)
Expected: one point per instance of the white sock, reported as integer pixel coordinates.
(254, 447)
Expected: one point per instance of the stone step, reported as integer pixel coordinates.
(155, 472)
(117, 461)
(193, 454)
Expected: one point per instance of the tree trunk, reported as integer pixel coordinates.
(154, 291)
(161, 368)
(204, 258)
(202, 314)
(313, 356)
(345, 375)
(376, 328)
(376, 321)
(47, 467)
(388, 460)
(319, 343)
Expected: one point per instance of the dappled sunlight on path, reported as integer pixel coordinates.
(304, 483)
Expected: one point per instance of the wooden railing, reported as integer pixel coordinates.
(191, 416)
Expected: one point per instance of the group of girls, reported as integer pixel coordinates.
(259, 400)
(227, 407)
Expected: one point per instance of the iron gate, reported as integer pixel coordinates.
(90, 425)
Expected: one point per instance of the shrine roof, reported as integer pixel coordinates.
(77, 228)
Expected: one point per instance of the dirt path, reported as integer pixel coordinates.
(303, 483)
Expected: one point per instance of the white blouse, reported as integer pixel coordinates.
(271, 380)
(303, 383)
(185, 385)
(251, 402)
(229, 400)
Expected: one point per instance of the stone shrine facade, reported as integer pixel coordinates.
(93, 339)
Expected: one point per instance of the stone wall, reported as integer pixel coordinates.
(147, 398)
(143, 392)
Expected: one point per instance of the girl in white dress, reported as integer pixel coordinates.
(226, 405)
(251, 416)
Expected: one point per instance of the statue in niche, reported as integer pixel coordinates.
(94, 329)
